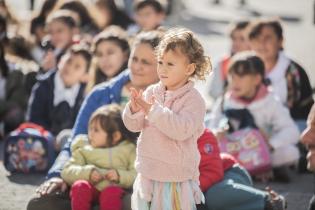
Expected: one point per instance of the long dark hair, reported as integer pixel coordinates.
(4, 70)
(87, 23)
(47, 7)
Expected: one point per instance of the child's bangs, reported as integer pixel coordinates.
(175, 46)
(241, 68)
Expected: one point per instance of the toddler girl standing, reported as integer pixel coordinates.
(170, 117)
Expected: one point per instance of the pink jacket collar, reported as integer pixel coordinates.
(261, 93)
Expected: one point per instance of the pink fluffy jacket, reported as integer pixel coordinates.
(167, 146)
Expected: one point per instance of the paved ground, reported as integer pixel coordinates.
(210, 23)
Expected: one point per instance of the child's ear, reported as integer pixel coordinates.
(258, 79)
(190, 69)
(116, 137)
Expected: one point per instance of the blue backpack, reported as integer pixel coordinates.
(29, 148)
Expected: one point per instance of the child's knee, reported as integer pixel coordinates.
(112, 191)
(81, 187)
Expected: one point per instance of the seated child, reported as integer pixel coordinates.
(102, 162)
(239, 43)
(61, 30)
(56, 99)
(247, 91)
(149, 14)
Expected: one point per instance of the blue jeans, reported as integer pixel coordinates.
(235, 192)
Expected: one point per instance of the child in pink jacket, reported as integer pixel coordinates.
(170, 117)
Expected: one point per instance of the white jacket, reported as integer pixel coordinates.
(270, 115)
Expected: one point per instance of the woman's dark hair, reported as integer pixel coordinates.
(36, 22)
(118, 17)
(47, 7)
(20, 47)
(4, 70)
(257, 26)
(3, 29)
(87, 23)
(110, 120)
(245, 63)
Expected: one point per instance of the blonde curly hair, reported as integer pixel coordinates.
(185, 40)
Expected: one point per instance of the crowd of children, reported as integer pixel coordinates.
(84, 57)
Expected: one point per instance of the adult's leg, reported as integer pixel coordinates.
(235, 192)
(82, 195)
(111, 198)
(60, 201)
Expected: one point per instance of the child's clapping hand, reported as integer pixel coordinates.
(137, 102)
(95, 176)
(112, 175)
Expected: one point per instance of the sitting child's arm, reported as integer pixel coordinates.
(127, 176)
(77, 168)
(284, 130)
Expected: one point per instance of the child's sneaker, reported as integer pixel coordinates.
(274, 201)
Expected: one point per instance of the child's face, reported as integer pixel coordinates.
(110, 58)
(148, 19)
(142, 64)
(244, 86)
(103, 14)
(267, 44)
(239, 41)
(174, 69)
(72, 68)
(60, 34)
(97, 136)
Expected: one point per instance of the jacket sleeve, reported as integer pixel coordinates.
(76, 168)
(133, 121)
(128, 176)
(90, 104)
(210, 167)
(183, 124)
(38, 105)
(284, 130)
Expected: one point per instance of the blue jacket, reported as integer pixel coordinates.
(104, 93)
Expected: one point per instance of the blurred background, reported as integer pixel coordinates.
(210, 20)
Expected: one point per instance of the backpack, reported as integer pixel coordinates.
(249, 147)
(29, 148)
(244, 141)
